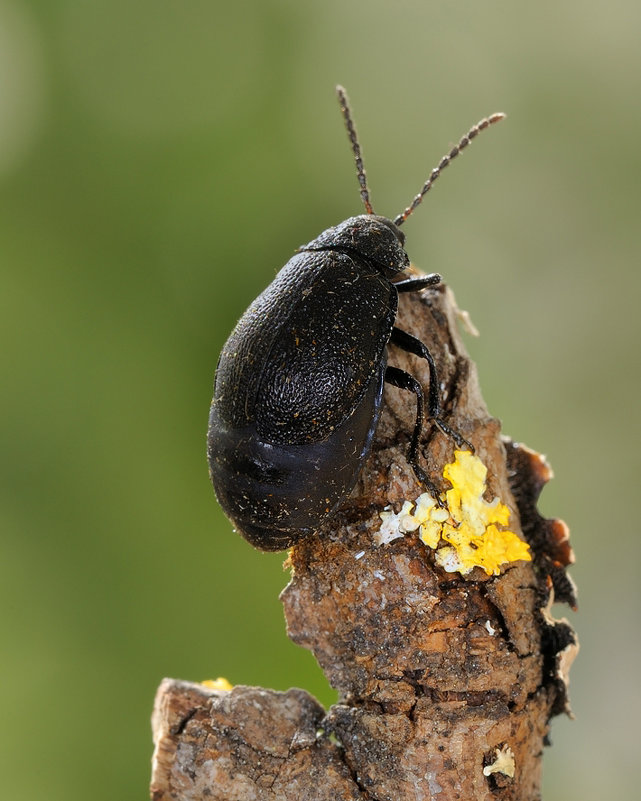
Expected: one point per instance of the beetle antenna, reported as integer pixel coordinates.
(465, 141)
(356, 148)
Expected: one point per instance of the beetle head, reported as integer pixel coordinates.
(375, 239)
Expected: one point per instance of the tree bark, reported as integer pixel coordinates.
(447, 678)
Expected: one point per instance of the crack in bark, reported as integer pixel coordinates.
(178, 729)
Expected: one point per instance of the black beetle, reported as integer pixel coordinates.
(299, 382)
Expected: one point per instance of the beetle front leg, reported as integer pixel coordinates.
(416, 284)
(411, 344)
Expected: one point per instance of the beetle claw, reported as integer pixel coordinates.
(452, 434)
(428, 484)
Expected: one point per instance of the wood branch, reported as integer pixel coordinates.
(447, 680)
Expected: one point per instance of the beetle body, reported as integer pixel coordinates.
(300, 380)
(299, 383)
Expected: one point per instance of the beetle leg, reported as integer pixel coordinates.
(402, 380)
(413, 345)
(416, 284)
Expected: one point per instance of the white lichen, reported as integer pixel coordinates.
(503, 762)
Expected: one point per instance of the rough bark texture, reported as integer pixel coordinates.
(447, 682)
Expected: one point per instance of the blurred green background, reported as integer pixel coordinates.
(158, 162)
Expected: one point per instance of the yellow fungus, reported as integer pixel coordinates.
(468, 531)
(217, 684)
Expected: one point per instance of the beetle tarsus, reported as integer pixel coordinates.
(427, 484)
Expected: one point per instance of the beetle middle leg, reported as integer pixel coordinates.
(411, 344)
(399, 378)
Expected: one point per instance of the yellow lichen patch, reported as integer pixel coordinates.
(468, 531)
(217, 684)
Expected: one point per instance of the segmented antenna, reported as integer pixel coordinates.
(465, 141)
(356, 148)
